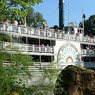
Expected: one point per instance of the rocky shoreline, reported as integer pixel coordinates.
(74, 80)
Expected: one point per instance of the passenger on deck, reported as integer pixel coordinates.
(63, 31)
(15, 22)
(91, 36)
(56, 28)
(47, 46)
(43, 26)
(87, 48)
(35, 25)
(77, 34)
(42, 45)
(80, 35)
(19, 22)
(6, 21)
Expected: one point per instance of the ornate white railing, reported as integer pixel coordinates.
(49, 65)
(37, 66)
(49, 33)
(28, 48)
(89, 64)
(83, 64)
(88, 52)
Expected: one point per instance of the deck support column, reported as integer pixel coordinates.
(11, 45)
(40, 52)
(51, 50)
(26, 40)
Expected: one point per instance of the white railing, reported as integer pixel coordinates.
(63, 65)
(49, 33)
(41, 65)
(83, 64)
(49, 65)
(88, 52)
(89, 64)
(28, 48)
(36, 66)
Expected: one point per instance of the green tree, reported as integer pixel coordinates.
(10, 79)
(15, 8)
(39, 17)
(30, 16)
(89, 25)
(33, 17)
(13, 73)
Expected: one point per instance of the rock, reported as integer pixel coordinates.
(74, 80)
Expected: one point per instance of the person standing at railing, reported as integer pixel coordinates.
(15, 22)
(81, 36)
(35, 26)
(6, 23)
(47, 47)
(15, 28)
(42, 45)
(19, 27)
(43, 26)
(91, 36)
(87, 49)
(19, 22)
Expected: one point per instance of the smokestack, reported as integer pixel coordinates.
(61, 14)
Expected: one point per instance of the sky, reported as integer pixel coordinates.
(49, 10)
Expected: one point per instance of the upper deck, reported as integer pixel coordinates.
(48, 34)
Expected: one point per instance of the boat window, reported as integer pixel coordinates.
(46, 59)
(86, 59)
(84, 46)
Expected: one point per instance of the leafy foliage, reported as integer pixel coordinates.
(33, 17)
(15, 8)
(4, 37)
(30, 16)
(39, 17)
(12, 74)
(89, 25)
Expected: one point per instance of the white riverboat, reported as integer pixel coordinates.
(48, 45)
